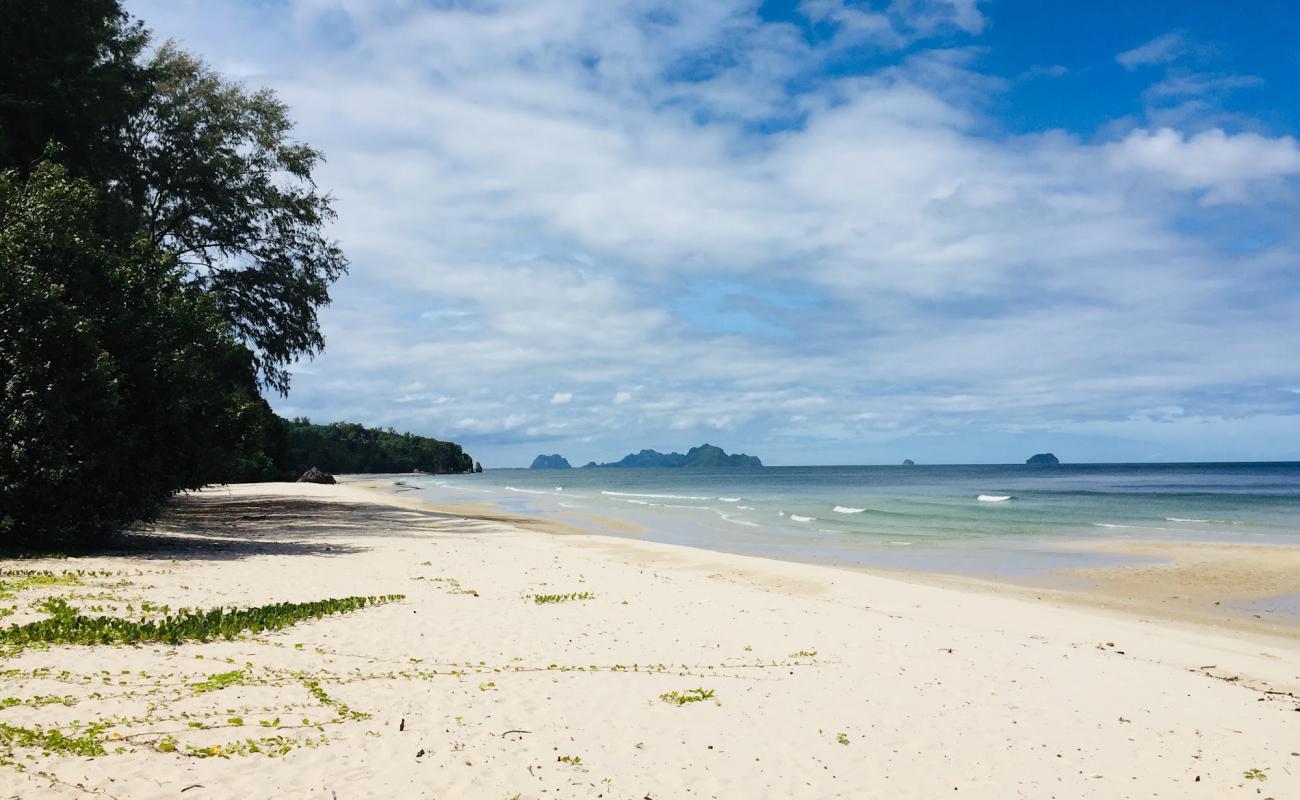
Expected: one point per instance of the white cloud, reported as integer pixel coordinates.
(533, 196)
(1160, 50)
(1225, 165)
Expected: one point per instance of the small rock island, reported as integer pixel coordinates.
(1043, 458)
(553, 461)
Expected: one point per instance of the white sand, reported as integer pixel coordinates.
(938, 692)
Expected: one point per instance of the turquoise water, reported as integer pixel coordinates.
(990, 520)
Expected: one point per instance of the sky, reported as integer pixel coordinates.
(816, 231)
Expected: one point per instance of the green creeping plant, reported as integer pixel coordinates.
(689, 696)
(542, 599)
(66, 626)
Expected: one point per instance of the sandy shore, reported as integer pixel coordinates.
(818, 682)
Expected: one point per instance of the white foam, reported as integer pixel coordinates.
(745, 508)
(731, 499)
(1184, 519)
(798, 518)
(744, 522)
(656, 496)
(994, 498)
(830, 530)
(848, 510)
(526, 491)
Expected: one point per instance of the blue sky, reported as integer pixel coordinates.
(817, 231)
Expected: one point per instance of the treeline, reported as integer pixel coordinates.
(345, 447)
(163, 256)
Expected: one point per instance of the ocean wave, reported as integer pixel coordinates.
(744, 522)
(1210, 521)
(731, 499)
(993, 498)
(527, 491)
(798, 518)
(657, 496)
(642, 502)
(830, 530)
(848, 510)
(745, 508)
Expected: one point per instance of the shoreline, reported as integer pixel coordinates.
(820, 682)
(1171, 580)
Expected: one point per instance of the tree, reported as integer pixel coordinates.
(207, 169)
(119, 383)
(69, 73)
(215, 179)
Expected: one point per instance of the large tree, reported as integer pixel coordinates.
(205, 167)
(119, 384)
(162, 251)
(215, 177)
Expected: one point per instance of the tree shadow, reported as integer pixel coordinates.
(216, 526)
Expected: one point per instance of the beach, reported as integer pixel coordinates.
(527, 660)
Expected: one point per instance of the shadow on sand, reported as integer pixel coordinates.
(213, 525)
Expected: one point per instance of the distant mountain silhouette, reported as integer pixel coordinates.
(1043, 458)
(555, 461)
(704, 456)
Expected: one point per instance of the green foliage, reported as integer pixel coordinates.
(1255, 774)
(161, 253)
(689, 696)
(219, 681)
(69, 73)
(52, 741)
(842, 738)
(217, 179)
(66, 626)
(543, 599)
(346, 447)
(121, 384)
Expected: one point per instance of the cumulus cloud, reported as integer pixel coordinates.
(1224, 165)
(674, 203)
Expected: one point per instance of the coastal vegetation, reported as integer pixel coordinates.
(66, 625)
(347, 447)
(163, 257)
(544, 599)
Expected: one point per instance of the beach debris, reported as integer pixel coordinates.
(401, 726)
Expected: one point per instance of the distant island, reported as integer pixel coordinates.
(706, 456)
(1043, 458)
(554, 461)
(907, 462)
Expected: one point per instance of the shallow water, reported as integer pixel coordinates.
(996, 520)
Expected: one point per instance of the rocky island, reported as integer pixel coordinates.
(706, 456)
(1043, 458)
(553, 461)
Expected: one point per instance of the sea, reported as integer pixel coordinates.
(979, 520)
